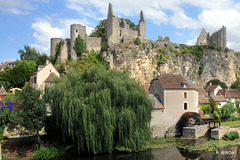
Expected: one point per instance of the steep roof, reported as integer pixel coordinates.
(219, 98)
(229, 93)
(175, 81)
(156, 102)
(202, 96)
(211, 88)
(3, 92)
(50, 77)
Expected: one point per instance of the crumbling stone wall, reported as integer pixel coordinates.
(93, 43)
(54, 42)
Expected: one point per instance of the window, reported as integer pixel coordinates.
(35, 79)
(185, 95)
(185, 106)
(156, 84)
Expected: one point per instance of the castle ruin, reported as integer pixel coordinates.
(219, 38)
(66, 45)
(118, 31)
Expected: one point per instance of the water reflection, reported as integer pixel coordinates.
(170, 153)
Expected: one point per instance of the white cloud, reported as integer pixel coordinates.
(46, 28)
(192, 42)
(19, 7)
(179, 34)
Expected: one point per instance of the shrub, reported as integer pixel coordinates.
(227, 110)
(201, 68)
(234, 135)
(104, 46)
(206, 109)
(137, 41)
(48, 152)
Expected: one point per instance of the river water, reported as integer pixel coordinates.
(169, 153)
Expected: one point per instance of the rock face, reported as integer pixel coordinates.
(143, 61)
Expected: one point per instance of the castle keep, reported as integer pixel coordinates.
(118, 31)
(219, 38)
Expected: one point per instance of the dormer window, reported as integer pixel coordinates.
(184, 85)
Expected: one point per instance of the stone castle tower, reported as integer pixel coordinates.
(219, 38)
(118, 31)
(66, 45)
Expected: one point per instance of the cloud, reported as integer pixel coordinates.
(192, 42)
(179, 34)
(19, 7)
(46, 28)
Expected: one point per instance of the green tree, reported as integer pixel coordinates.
(33, 109)
(30, 54)
(217, 82)
(212, 105)
(79, 46)
(227, 110)
(132, 25)
(99, 30)
(19, 74)
(236, 85)
(101, 110)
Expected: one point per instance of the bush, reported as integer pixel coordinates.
(104, 46)
(48, 152)
(227, 110)
(233, 135)
(206, 109)
(137, 41)
(238, 110)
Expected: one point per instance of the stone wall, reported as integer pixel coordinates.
(93, 43)
(195, 132)
(219, 38)
(54, 42)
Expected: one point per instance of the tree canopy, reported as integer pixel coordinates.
(100, 110)
(30, 54)
(99, 30)
(19, 74)
(236, 85)
(79, 46)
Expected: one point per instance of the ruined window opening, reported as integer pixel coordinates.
(76, 31)
(156, 84)
(185, 106)
(185, 95)
(120, 32)
(121, 24)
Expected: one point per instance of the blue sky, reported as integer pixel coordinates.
(34, 22)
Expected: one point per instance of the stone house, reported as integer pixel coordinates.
(212, 90)
(202, 97)
(172, 95)
(232, 95)
(43, 76)
(220, 99)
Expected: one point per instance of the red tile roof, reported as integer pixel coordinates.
(229, 93)
(3, 92)
(202, 96)
(219, 98)
(211, 88)
(175, 81)
(50, 77)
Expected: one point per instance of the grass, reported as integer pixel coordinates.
(231, 124)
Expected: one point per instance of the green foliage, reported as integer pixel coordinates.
(137, 41)
(236, 84)
(30, 54)
(217, 82)
(162, 58)
(19, 74)
(99, 30)
(232, 135)
(197, 50)
(227, 110)
(49, 152)
(33, 109)
(212, 105)
(206, 109)
(98, 110)
(132, 25)
(79, 46)
(201, 68)
(104, 46)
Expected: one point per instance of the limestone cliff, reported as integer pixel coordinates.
(165, 57)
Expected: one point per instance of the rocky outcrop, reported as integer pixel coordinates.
(143, 61)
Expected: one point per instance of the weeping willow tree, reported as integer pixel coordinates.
(99, 110)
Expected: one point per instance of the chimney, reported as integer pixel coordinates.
(210, 83)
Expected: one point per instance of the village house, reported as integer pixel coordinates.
(232, 95)
(220, 99)
(3, 92)
(202, 97)
(172, 95)
(212, 90)
(43, 76)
